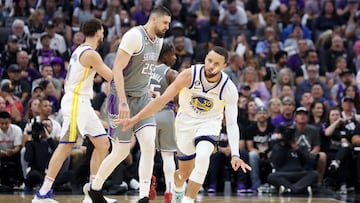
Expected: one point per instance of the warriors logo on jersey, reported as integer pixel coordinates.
(201, 104)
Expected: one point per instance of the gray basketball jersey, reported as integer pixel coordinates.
(142, 65)
(158, 82)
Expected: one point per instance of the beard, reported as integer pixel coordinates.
(209, 74)
(100, 43)
(159, 33)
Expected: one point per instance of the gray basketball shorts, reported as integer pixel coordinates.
(136, 104)
(165, 130)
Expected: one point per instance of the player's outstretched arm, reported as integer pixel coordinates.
(183, 80)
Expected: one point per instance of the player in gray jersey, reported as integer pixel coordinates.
(165, 142)
(134, 64)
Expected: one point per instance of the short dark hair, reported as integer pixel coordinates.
(90, 27)
(222, 51)
(44, 83)
(161, 10)
(5, 115)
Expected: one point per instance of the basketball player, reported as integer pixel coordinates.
(135, 61)
(204, 91)
(165, 142)
(79, 117)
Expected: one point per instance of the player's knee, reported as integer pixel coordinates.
(199, 173)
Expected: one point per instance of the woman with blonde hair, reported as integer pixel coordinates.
(275, 107)
(257, 88)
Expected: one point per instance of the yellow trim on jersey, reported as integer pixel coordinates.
(222, 105)
(75, 106)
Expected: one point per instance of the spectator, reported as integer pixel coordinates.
(310, 57)
(263, 46)
(47, 73)
(61, 28)
(285, 77)
(50, 94)
(59, 69)
(287, 115)
(306, 100)
(234, 19)
(142, 12)
(82, 13)
(290, 161)
(305, 86)
(308, 137)
(111, 19)
(257, 88)
(317, 93)
(212, 28)
(10, 146)
(346, 78)
(27, 73)
(220, 169)
(36, 24)
(177, 29)
(281, 59)
(20, 31)
(45, 54)
(182, 55)
(77, 39)
(57, 41)
(317, 115)
(13, 104)
(353, 91)
(235, 68)
(8, 55)
(275, 107)
(21, 87)
(348, 111)
(257, 138)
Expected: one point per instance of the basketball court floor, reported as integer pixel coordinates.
(21, 198)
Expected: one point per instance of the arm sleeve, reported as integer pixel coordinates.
(131, 42)
(230, 96)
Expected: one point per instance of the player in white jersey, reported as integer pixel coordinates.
(204, 92)
(79, 117)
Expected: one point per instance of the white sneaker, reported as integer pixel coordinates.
(48, 198)
(134, 184)
(87, 198)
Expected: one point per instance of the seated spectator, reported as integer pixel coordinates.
(24, 41)
(318, 94)
(59, 69)
(353, 91)
(258, 89)
(49, 94)
(220, 168)
(257, 138)
(13, 104)
(8, 55)
(337, 145)
(318, 113)
(306, 100)
(45, 54)
(177, 30)
(281, 59)
(290, 162)
(39, 148)
(10, 146)
(305, 86)
(47, 73)
(337, 91)
(28, 73)
(57, 41)
(275, 107)
(287, 116)
(285, 76)
(21, 87)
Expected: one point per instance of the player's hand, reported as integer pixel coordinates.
(124, 112)
(236, 163)
(125, 123)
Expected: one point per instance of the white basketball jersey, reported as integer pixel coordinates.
(79, 78)
(199, 101)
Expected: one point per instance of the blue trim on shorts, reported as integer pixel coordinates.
(186, 157)
(66, 142)
(149, 124)
(204, 138)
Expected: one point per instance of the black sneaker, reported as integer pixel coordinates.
(96, 196)
(143, 200)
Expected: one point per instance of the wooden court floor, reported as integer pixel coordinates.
(21, 198)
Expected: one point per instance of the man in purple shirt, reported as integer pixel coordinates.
(287, 117)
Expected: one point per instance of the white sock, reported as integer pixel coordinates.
(92, 178)
(146, 138)
(117, 155)
(46, 186)
(168, 168)
(187, 199)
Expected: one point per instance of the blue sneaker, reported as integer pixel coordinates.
(177, 197)
(47, 198)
